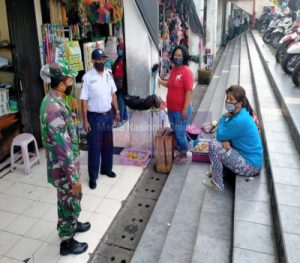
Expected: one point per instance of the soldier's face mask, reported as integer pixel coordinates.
(69, 87)
(68, 90)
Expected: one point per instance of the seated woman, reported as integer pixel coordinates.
(238, 145)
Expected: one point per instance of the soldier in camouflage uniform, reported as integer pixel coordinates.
(62, 151)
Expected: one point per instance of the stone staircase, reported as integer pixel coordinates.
(253, 220)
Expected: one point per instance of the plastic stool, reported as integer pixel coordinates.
(23, 140)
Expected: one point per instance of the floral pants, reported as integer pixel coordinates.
(231, 159)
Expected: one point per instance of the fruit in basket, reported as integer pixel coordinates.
(132, 155)
(201, 147)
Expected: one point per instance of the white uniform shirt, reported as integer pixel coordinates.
(237, 22)
(98, 90)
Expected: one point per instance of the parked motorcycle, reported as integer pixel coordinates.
(296, 75)
(292, 57)
(271, 28)
(266, 20)
(286, 41)
(278, 33)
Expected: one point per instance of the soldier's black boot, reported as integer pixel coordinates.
(72, 246)
(82, 227)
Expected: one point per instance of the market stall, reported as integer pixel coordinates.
(71, 30)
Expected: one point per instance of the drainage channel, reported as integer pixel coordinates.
(121, 239)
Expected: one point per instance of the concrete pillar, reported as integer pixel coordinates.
(220, 23)
(228, 13)
(195, 41)
(141, 54)
(211, 25)
(139, 51)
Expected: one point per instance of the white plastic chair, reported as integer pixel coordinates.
(23, 140)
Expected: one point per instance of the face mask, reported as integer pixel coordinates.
(178, 61)
(99, 66)
(230, 107)
(68, 90)
(120, 53)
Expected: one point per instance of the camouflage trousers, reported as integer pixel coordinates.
(68, 206)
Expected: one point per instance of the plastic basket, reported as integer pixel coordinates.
(202, 157)
(135, 157)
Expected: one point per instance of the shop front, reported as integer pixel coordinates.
(19, 72)
(43, 32)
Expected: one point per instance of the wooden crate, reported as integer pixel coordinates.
(164, 150)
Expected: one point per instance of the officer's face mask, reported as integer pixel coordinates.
(99, 66)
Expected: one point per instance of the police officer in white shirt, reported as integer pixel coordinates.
(236, 26)
(98, 97)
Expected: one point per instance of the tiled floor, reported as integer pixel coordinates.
(28, 212)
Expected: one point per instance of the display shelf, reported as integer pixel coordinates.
(8, 69)
(9, 47)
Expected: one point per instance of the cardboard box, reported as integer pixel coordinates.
(164, 150)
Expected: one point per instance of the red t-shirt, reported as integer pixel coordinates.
(181, 80)
(118, 71)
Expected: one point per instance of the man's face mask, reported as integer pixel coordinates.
(99, 66)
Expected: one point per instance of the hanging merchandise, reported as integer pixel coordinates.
(55, 12)
(53, 38)
(117, 10)
(92, 14)
(73, 55)
(118, 30)
(87, 51)
(110, 49)
(72, 7)
(104, 11)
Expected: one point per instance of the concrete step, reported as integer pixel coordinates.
(287, 94)
(203, 112)
(253, 231)
(282, 162)
(214, 233)
(184, 224)
(181, 237)
(156, 233)
(213, 242)
(153, 238)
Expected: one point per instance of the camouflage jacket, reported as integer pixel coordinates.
(60, 140)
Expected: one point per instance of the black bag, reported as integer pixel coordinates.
(136, 103)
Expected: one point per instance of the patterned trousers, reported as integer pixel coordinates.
(68, 206)
(231, 159)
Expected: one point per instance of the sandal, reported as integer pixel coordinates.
(181, 158)
(210, 183)
(208, 173)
